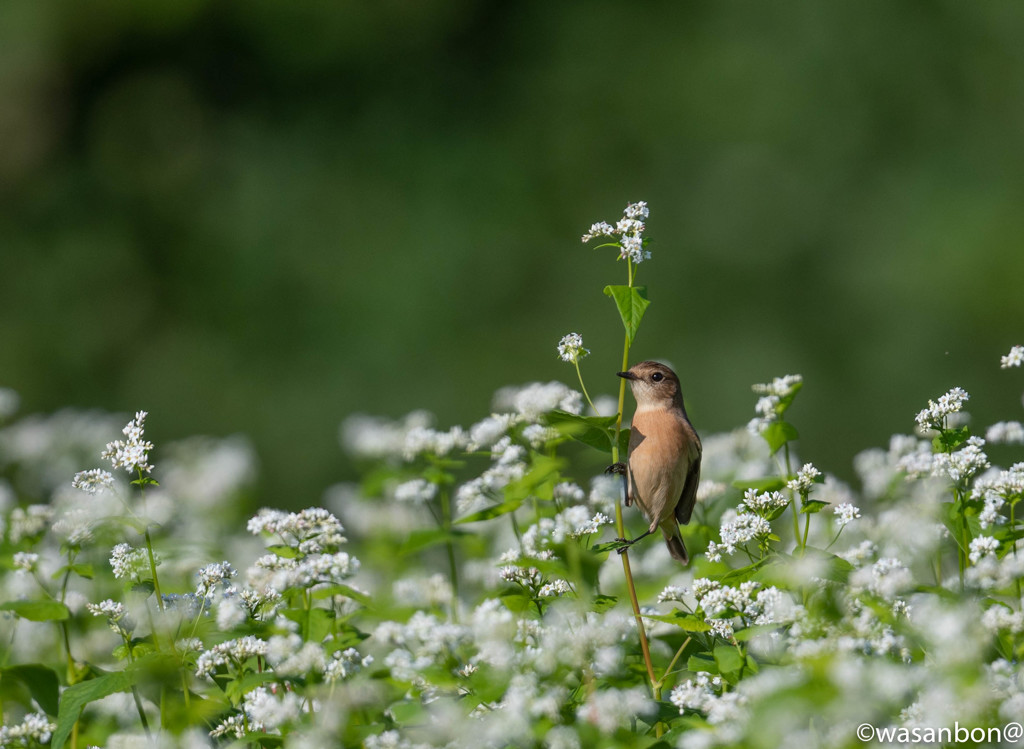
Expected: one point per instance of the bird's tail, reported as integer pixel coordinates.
(675, 544)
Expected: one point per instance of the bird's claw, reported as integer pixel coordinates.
(617, 468)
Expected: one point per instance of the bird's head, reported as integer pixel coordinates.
(654, 385)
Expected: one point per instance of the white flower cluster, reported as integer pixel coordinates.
(508, 465)
(93, 481)
(805, 479)
(34, 729)
(25, 560)
(415, 491)
(629, 229)
(996, 489)
(763, 503)
(958, 466)
(372, 438)
(770, 405)
(554, 589)
(131, 454)
(213, 575)
(426, 441)
(1001, 618)
(113, 610)
(886, 578)
(570, 348)
(673, 593)
(934, 417)
(538, 398)
(344, 664)
(750, 602)
(846, 513)
(1013, 359)
(573, 522)
(232, 652)
(982, 546)
(737, 530)
(704, 694)
(27, 522)
(1005, 433)
(273, 573)
(268, 712)
(310, 531)
(128, 562)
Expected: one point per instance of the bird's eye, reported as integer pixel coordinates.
(657, 377)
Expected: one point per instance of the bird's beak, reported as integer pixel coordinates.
(626, 375)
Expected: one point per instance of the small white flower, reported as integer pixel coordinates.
(213, 574)
(805, 479)
(1006, 433)
(983, 546)
(846, 513)
(113, 610)
(93, 481)
(1013, 359)
(570, 348)
(416, 491)
(232, 651)
(600, 229)
(672, 593)
(133, 453)
(26, 560)
(555, 588)
(127, 562)
(934, 417)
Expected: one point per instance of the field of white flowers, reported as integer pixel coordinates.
(467, 592)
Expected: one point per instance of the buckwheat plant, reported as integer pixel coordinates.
(466, 591)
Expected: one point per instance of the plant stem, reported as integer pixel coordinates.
(576, 363)
(152, 569)
(446, 519)
(621, 530)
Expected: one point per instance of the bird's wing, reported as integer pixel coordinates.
(688, 498)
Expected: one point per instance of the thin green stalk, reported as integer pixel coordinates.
(1013, 528)
(576, 363)
(446, 517)
(621, 529)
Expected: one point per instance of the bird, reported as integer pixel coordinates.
(662, 466)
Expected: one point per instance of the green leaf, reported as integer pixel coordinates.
(702, 662)
(686, 622)
(407, 712)
(767, 484)
(812, 506)
(37, 611)
(502, 508)
(595, 431)
(238, 688)
(951, 439)
(283, 551)
(632, 303)
(339, 589)
(778, 433)
(729, 659)
(40, 681)
(76, 697)
(602, 603)
(82, 570)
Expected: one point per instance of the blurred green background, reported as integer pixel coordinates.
(263, 216)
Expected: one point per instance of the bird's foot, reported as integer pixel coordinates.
(617, 468)
(622, 550)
